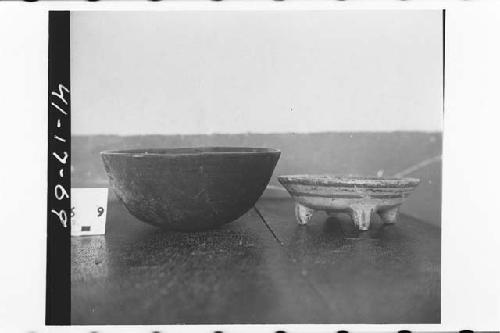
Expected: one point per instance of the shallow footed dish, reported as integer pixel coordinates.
(189, 189)
(358, 196)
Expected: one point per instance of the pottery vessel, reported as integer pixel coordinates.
(358, 196)
(189, 189)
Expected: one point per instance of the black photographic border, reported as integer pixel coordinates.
(58, 278)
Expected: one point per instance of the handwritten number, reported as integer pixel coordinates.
(60, 192)
(59, 108)
(61, 159)
(100, 211)
(61, 93)
(63, 217)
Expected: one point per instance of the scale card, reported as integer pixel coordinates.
(88, 211)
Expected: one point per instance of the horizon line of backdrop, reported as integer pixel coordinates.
(203, 72)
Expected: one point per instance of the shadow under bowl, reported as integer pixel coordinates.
(189, 189)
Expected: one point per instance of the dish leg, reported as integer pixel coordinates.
(389, 215)
(303, 214)
(361, 216)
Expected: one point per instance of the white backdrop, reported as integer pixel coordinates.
(255, 71)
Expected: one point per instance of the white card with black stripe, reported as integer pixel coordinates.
(88, 211)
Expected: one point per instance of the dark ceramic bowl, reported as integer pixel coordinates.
(189, 189)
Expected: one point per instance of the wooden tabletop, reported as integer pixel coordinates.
(262, 268)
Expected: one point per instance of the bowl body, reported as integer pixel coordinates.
(340, 193)
(189, 189)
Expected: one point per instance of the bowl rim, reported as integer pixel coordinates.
(348, 180)
(192, 151)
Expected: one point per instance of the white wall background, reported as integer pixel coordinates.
(263, 71)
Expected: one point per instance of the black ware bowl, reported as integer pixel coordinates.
(189, 189)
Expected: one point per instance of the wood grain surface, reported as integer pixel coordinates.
(263, 268)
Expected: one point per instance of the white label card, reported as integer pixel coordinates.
(88, 211)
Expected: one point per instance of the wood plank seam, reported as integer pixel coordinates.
(294, 261)
(268, 226)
